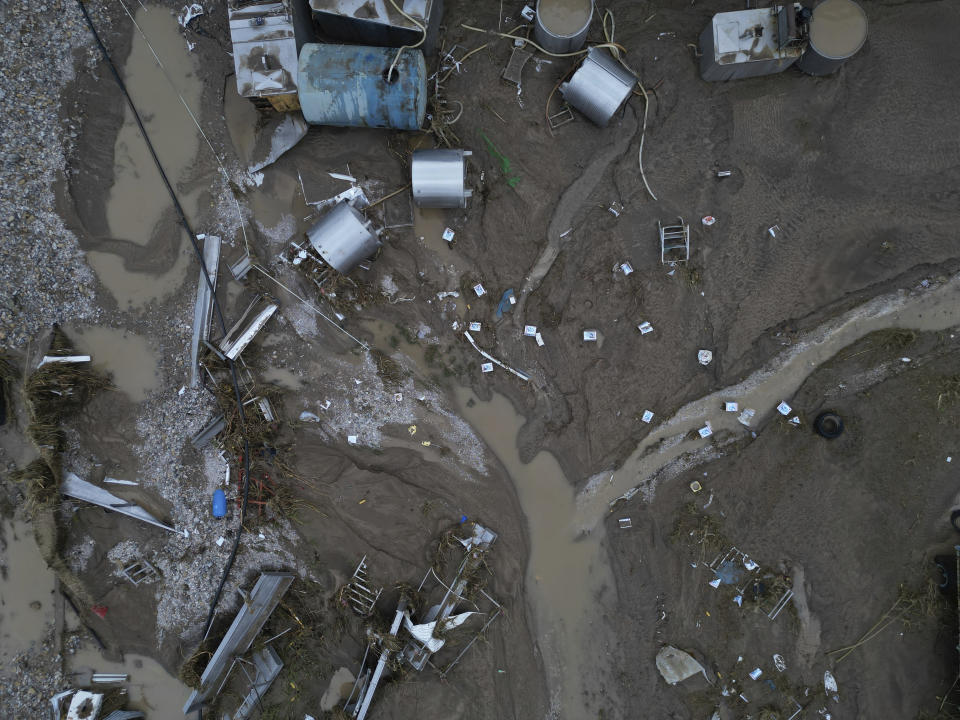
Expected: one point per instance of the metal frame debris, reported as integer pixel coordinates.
(203, 310)
(257, 606)
(674, 238)
(246, 328)
(140, 571)
(359, 594)
(73, 486)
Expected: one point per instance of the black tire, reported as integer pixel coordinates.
(828, 425)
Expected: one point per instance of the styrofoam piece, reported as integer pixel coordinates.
(487, 367)
(644, 328)
(530, 330)
(783, 408)
(647, 416)
(589, 335)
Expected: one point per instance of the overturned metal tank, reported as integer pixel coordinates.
(561, 25)
(838, 29)
(346, 86)
(343, 237)
(599, 87)
(438, 178)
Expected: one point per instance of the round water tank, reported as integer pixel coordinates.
(838, 29)
(347, 86)
(343, 237)
(561, 25)
(438, 178)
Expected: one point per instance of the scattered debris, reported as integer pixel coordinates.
(724, 173)
(695, 486)
(267, 665)
(599, 87)
(625, 523)
(479, 290)
(487, 367)
(188, 13)
(676, 665)
(644, 328)
(203, 310)
(530, 330)
(448, 235)
(358, 592)
(647, 416)
(539, 339)
(615, 209)
(246, 328)
(69, 359)
(779, 663)
(139, 572)
(492, 359)
(731, 407)
(708, 220)
(773, 230)
(475, 326)
(756, 673)
(746, 416)
(706, 431)
(257, 606)
(769, 42)
(626, 267)
(705, 357)
(674, 242)
(589, 335)
(73, 486)
(783, 408)
(343, 238)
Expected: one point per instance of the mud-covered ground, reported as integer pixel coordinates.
(858, 170)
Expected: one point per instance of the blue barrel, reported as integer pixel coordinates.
(219, 503)
(346, 86)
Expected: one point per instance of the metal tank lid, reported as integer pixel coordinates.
(565, 18)
(838, 28)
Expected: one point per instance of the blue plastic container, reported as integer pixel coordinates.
(219, 503)
(346, 86)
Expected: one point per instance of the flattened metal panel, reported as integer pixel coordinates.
(264, 48)
(263, 600)
(73, 486)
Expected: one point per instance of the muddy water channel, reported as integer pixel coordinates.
(568, 570)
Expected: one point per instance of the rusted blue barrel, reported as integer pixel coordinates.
(347, 86)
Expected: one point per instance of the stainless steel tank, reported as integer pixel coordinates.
(439, 178)
(561, 25)
(838, 29)
(343, 237)
(599, 87)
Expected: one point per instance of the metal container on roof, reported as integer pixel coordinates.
(599, 87)
(379, 22)
(343, 238)
(346, 86)
(438, 178)
(838, 29)
(561, 25)
(750, 43)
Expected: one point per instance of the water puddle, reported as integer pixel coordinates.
(128, 357)
(26, 591)
(282, 377)
(278, 196)
(151, 688)
(136, 289)
(565, 574)
(241, 118)
(138, 197)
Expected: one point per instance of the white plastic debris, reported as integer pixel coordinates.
(487, 367)
(513, 300)
(307, 416)
(627, 268)
(783, 408)
(708, 220)
(647, 416)
(749, 564)
(539, 339)
(68, 359)
(724, 173)
(398, 397)
(756, 673)
(905, 359)
(731, 406)
(715, 583)
(773, 230)
(474, 327)
(528, 13)
(182, 390)
(645, 327)
(625, 523)
(188, 13)
(352, 439)
(455, 325)
(705, 357)
(220, 541)
(829, 682)
(949, 458)
(589, 335)
(746, 416)
(478, 289)
(779, 663)
(448, 235)
(738, 599)
(448, 293)
(795, 420)
(530, 330)
(706, 431)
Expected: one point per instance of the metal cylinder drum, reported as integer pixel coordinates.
(343, 237)
(599, 87)
(838, 29)
(346, 86)
(438, 178)
(561, 25)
